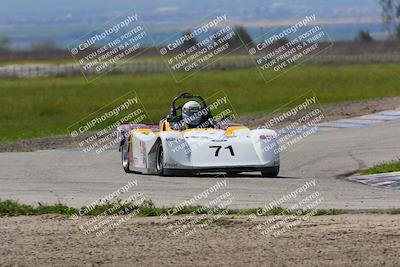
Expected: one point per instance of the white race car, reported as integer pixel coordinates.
(167, 149)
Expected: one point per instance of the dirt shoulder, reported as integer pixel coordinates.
(341, 240)
(332, 112)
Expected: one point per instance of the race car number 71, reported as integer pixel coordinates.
(219, 148)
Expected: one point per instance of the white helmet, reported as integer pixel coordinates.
(191, 113)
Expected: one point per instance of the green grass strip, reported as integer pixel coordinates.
(393, 166)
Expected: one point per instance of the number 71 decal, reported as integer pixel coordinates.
(218, 148)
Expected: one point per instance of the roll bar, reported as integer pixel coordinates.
(186, 96)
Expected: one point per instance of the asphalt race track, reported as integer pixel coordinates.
(77, 178)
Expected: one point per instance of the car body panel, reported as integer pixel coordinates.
(229, 147)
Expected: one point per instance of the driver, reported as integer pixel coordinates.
(193, 117)
(191, 114)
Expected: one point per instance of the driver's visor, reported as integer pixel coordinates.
(193, 110)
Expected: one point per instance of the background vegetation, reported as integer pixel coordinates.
(47, 106)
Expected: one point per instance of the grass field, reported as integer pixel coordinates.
(46, 106)
(393, 166)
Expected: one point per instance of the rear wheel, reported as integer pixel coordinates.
(160, 159)
(270, 172)
(125, 157)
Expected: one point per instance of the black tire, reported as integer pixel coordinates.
(270, 172)
(125, 157)
(232, 173)
(160, 159)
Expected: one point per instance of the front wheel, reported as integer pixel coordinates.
(160, 159)
(270, 172)
(125, 157)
